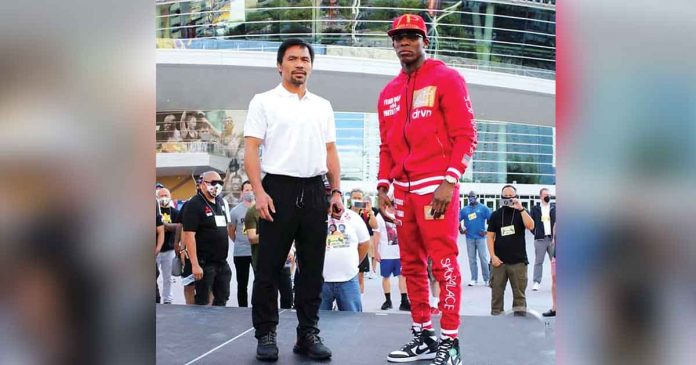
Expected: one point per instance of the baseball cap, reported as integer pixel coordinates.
(408, 22)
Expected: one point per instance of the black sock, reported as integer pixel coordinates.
(387, 296)
(404, 298)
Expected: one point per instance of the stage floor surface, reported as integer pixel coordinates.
(224, 335)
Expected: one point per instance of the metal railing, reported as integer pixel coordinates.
(493, 53)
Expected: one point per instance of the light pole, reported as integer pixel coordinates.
(445, 12)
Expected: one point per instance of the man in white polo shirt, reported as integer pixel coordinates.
(297, 131)
(347, 243)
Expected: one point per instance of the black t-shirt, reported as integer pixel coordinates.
(169, 215)
(510, 249)
(211, 240)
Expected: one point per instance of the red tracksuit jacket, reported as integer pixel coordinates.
(426, 126)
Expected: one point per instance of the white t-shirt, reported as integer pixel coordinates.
(344, 235)
(388, 242)
(294, 131)
(546, 218)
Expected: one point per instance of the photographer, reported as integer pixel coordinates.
(506, 243)
(358, 205)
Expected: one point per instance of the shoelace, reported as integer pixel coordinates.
(269, 338)
(417, 340)
(443, 351)
(313, 338)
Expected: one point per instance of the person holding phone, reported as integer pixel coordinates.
(506, 243)
(357, 205)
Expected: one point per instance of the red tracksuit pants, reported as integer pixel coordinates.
(419, 239)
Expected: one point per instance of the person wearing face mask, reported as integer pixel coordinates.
(544, 215)
(205, 221)
(472, 220)
(506, 243)
(170, 219)
(242, 247)
(358, 205)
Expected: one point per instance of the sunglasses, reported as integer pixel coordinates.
(214, 182)
(411, 36)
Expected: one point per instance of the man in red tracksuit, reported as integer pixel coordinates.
(428, 137)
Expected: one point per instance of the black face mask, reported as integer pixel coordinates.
(547, 199)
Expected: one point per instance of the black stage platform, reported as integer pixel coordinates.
(224, 335)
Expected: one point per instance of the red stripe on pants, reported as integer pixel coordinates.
(419, 239)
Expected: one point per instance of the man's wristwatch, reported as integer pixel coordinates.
(450, 179)
(334, 191)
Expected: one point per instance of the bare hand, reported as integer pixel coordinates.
(516, 204)
(336, 204)
(377, 257)
(495, 261)
(197, 271)
(441, 199)
(264, 205)
(383, 203)
(482, 233)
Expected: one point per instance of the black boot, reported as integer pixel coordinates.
(267, 348)
(309, 343)
(386, 305)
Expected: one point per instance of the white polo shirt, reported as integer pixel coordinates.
(294, 131)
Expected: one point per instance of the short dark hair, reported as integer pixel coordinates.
(508, 186)
(293, 42)
(245, 182)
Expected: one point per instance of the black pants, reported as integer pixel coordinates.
(301, 210)
(216, 278)
(285, 289)
(241, 268)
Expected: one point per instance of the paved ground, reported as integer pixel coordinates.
(475, 300)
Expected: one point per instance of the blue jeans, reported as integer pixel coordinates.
(346, 294)
(472, 246)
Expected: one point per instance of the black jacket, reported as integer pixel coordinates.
(538, 224)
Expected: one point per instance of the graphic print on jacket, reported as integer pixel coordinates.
(424, 118)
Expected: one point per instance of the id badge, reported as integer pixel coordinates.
(220, 221)
(472, 216)
(428, 216)
(507, 230)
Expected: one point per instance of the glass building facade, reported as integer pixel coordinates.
(506, 36)
(506, 152)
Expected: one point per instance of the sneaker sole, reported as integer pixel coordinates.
(300, 351)
(268, 359)
(428, 356)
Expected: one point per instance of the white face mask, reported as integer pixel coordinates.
(164, 201)
(214, 190)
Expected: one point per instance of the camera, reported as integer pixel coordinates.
(507, 202)
(358, 204)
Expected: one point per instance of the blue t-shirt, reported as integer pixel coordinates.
(474, 218)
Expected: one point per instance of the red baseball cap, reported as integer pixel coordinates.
(408, 22)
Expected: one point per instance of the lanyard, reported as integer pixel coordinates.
(208, 204)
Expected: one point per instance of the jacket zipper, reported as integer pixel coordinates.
(408, 121)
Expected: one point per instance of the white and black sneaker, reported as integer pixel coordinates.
(448, 352)
(423, 346)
